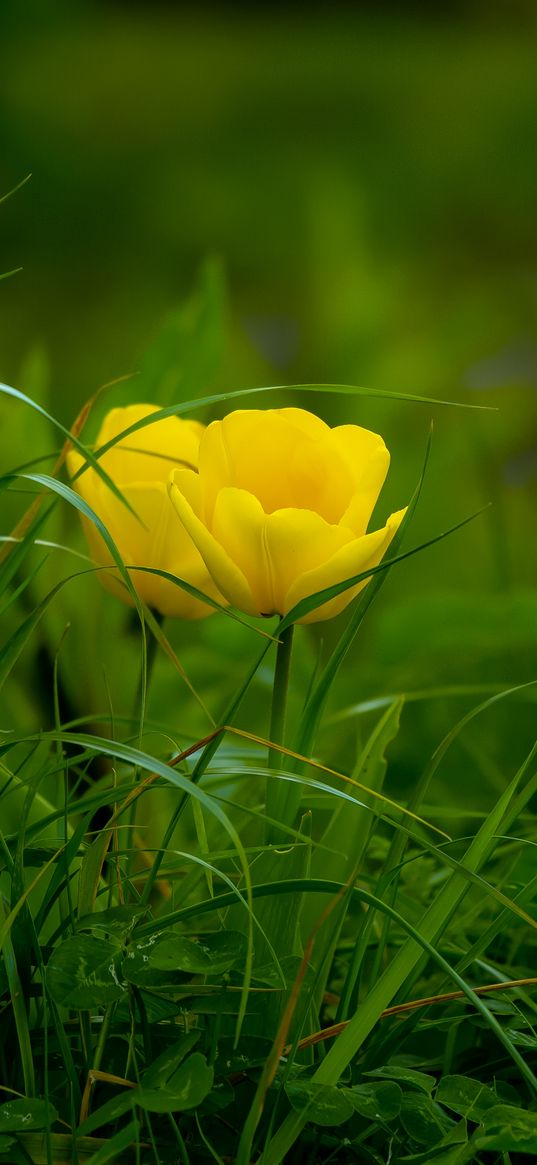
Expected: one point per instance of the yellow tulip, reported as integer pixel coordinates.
(280, 507)
(140, 466)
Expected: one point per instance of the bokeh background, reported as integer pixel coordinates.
(245, 195)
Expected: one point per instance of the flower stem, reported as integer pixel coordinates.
(276, 791)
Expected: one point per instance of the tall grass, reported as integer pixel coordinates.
(244, 943)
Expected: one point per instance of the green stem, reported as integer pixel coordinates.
(276, 791)
(199, 768)
(140, 700)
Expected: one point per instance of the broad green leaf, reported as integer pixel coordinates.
(108, 1113)
(138, 965)
(36, 1145)
(212, 955)
(17, 1116)
(83, 972)
(424, 1120)
(380, 1101)
(109, 1153)
(158, 1009)
(186, 1088)
(409, 1076)
(324, 1104)
(117, 920)
(509, 1130)
(466, 1096)
(445, 1152)
(159, 1072)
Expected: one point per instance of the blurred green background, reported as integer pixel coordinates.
(347, 195)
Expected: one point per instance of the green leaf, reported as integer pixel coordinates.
(38, 1147)
(409, 1076)
(83, 973)
(108, 1154)
(21, 1115)
(159, 1072)
(157, 1009)
(108, 1113)
(118, 920)
(186, 1088)
(324, 1104)
(6, 1143)
(466, 1096)
(380, 1101)
(509, 1130)
(424, 1120)
(212, 955)
(138, 965)
(446, 1152)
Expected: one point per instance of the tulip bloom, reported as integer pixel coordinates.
(280, 507)
(140, 466)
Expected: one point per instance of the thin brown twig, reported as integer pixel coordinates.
(335, 1029)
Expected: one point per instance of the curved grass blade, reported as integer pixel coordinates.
(311, 602)
(402, 965)
(8, 274)
(447, 691)
(151, 765)
(320, 689)
(304, 760)
(47, 545)
(14, 189)
(197, 594)
(70, 437)
(11, 650)
(237, 394)
(19, 1010)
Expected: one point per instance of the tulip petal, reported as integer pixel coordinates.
(307, 423)
(176, 552)
(152, 452)
(358, 555)
(239, 523)
(368, 460)
(145, 538)
(228, 577)
(283, 462)
(297, 542)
